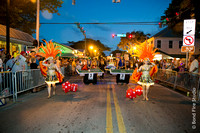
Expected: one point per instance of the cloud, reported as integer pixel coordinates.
(68, 16)
(75, 29)
(102, 27)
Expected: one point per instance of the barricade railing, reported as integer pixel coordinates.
(167, 76)
(6, 85)
(185, 80)
(26, 80)
(11, 84)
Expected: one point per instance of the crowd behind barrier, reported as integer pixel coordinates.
(25, 73)
(13, 83)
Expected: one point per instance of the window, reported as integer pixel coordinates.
(170, 44)
(158, 43)
(180, 44)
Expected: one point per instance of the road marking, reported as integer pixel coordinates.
(109, 125)
(120, 121)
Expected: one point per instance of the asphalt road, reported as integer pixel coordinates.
(101, 108)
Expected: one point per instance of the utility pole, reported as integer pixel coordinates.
(38, 22)
(8, 27)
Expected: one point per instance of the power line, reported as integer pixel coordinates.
(117, 23)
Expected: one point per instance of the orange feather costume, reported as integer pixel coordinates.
(145, 51)
(49, 51)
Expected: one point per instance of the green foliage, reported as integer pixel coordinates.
(126, 43)
(186, 9)
(117, 51)
(97, 45)
(23, 13)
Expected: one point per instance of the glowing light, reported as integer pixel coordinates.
(33, 1)
(95, 50)
(130, 36)
(91, 47)
(113, 35)
(134, 48)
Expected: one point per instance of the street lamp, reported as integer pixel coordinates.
(37, 20)
(91, 47)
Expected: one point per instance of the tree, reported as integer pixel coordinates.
(179, 10)
(23, 13)
(117, 51)
(128, 44)
(97, 45)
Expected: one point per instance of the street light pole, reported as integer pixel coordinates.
(8, 27)
(85, 45)
(38, 22)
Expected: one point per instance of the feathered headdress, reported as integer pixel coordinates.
(145, 51)
(49, 50)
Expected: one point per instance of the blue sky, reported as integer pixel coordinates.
(102, 11)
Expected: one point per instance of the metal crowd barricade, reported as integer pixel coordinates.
(26, 80)
(11, 84)
(184, 80)
(6, 85)
(167, 76)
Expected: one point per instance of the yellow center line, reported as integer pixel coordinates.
(120, 121)
(109, 125)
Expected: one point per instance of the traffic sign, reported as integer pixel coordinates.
(121, 35)
(188, 40)
(188, 49)
(189, 27)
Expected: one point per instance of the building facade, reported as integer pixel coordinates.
(19, 41)
(170, 43)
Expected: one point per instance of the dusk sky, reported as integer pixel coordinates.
(102, 11)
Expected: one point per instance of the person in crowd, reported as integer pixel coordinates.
(164, 64)
(194, 66)
(1, 64)
(199, 63)
(3, 55)
(74, 66)
(181, 67)
(1, 69)
(94, 64)
(102, 64)
(58, 62)
(33, 64)
(23, 57)
(78, 66)
(18, 63)
(127, 64)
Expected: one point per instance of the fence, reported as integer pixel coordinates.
(184, 80)
(11, 84)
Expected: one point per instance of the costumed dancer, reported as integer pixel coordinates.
(48, 67)
(143, 75)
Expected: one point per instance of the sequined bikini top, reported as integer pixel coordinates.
(51, 67)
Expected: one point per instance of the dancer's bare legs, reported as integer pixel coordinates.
(54, 88)
(147, 90)
(144, 92)
(49, 90)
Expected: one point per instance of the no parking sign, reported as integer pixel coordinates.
(188, 40)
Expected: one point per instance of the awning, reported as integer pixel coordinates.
(172, 55)
(16, 36)
(67, 55)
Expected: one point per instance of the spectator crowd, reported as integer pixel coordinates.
(23, 61)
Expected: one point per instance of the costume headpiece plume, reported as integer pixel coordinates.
(145, 51)
(49, 50)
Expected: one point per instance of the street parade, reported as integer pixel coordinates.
(113, 66)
